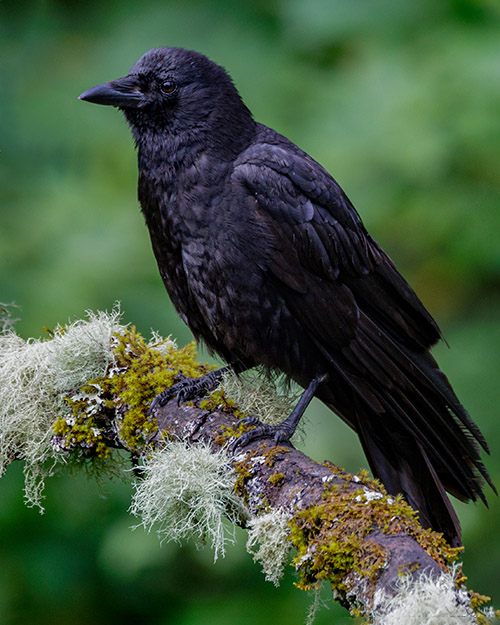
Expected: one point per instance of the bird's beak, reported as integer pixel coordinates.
(123, 92)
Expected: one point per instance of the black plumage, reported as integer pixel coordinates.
(268, 263)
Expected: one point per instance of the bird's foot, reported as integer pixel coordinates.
(189, 388)
(281, 433)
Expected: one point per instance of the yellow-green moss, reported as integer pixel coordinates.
(227, 432)
(271, 453)
(243, 470)
(219, 401)
(146, 372)
(330, 537)
(140, 372)
(81, 431)
(277, 479)
(478, 602)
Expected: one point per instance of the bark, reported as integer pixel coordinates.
(272, 478)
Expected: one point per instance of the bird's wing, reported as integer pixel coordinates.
(318, 233)
(360, 313)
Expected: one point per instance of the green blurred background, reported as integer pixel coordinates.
(399, 100)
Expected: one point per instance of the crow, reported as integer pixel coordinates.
(268, 263)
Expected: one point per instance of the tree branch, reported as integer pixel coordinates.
(86, 391)
(346, 529)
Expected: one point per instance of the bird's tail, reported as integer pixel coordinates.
(408, 470)
(418, 438)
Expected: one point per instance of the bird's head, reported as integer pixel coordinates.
(177, 92)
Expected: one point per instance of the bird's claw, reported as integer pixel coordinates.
(185, 390)
(161, 399)
(173, 391)
(278, 433)
(248, 422)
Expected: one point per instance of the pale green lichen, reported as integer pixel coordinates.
(316, 603)
(186, 494)
(7, 319)
(270, 532)
(36, 376)
(425, 601)
(260, 396)
(244, 469)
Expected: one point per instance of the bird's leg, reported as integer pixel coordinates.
(284, 431)
(193, 388)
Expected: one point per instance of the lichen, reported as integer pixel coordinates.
(428, 600)
(35, 378)
(260, 396)
(7, 319)
(270, 532)
(186, 493)
(244, 471)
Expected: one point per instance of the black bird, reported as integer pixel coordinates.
(268, 262)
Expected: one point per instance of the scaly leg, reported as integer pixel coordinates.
(193, 388)
(284, 431)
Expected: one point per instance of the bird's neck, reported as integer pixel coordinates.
(221, 136)
(166, 155)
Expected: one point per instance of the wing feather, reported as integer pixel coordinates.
(361, 315)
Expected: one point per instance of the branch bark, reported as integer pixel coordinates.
(347, 530)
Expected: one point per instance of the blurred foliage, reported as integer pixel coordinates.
(399, 100)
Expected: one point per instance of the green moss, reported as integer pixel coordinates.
(144, 373)
(330, 536)
(140, 372)
(227, 432)
(270, 454)
(219, 401)
(243, 470)
(277, 479)
(477, 603)
(329, 542)
(81, 431)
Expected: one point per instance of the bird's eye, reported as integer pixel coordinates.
(168, 87)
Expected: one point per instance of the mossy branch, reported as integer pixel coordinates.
(345, 530)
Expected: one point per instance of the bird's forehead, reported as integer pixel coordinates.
(168, 60)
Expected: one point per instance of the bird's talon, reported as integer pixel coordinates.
(247, 422)
(160, 400)
(186, 389)
(278, 434)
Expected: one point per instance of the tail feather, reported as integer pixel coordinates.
(433, 378)
(440, 410)
(418, 438)
(410, 473)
